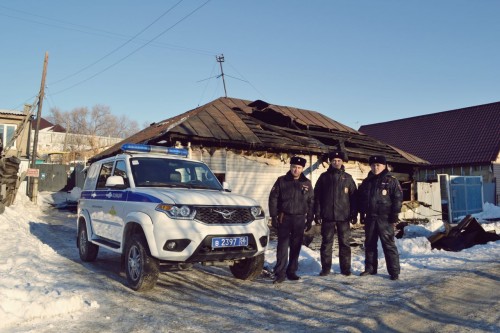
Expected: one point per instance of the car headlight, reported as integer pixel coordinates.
(176, 211)
(257, 212)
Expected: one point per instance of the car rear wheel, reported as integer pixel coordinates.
(248, 269)
(141, 268)
(88, 251)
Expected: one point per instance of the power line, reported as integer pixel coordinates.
(96, 32)
(245, 80)
(119, 47)
(136, 50)
(206, 85)
(220, 59)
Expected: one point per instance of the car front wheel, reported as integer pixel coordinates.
(249, 268)
(88, 251)
(141, 268)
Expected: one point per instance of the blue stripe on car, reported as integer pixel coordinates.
(119, 196)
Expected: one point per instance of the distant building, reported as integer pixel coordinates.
(461, 142)
(56, 145)
(11, 126)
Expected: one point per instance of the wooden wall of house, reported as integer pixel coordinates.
(254, 176)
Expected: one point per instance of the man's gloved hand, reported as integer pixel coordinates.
(308, 225)
(274, 222)
(317, 220)
(393, 218)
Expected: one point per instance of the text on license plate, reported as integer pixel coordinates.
(229, 241)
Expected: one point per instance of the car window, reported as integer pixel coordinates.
(91, 178)
(172, 173)
(121, 170)
(104, 173)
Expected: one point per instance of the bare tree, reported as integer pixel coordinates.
(84, 127)
(98, 122)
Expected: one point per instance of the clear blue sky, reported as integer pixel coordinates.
(358, 62)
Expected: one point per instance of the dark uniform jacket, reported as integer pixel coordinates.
(292, 197)
(380, 196)
(335, 196)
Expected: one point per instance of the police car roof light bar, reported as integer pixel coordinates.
(133, 147)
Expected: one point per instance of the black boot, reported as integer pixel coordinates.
(278, 279)
(324, 272)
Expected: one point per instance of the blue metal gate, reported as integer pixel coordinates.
(466, 193)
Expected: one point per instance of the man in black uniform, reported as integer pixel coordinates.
(380, 200)
(291, 207)
(334, 209)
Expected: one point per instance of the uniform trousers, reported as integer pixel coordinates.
(379, 227)
(290, 235)
(328, 229)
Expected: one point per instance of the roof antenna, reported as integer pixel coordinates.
(220, 60)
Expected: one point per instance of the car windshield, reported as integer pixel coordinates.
(163, 172)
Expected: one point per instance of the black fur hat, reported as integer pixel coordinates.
(338, 154)
(377, 159)
(298, 161)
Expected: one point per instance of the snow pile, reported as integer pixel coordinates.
(424, 230)
(490, 212)
(412, 246)
(32, 275)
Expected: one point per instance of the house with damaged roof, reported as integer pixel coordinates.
(248, 144)
(462, 147)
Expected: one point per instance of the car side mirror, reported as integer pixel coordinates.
(225, 186)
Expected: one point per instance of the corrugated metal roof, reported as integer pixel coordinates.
(242, 124)
(12, 112)
(469, 135)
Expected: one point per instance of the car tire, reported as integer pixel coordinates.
(88, 251)
(141, 268)
(248, 269)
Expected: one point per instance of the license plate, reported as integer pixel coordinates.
(218, 242)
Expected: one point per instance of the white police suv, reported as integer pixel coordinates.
(159, 209)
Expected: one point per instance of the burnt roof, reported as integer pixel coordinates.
(241, 124)
(469, 135)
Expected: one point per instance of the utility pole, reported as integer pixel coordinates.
(34, 192)
(220, 60)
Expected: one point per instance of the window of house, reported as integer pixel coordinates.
(7, 132)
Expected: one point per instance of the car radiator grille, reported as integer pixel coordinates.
(223, 215)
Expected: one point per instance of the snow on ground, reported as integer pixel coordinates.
(34, 283)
